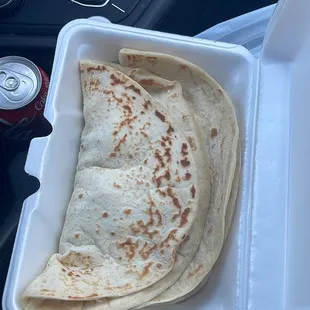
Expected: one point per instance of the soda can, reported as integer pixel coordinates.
(23, 92)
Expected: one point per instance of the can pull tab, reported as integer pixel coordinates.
(8, 80)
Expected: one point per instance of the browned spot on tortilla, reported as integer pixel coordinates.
(105, 214)
(170, 130)
(80, 196)
(63, 269)
(117, 185)
(127, 211)
(128, 108)
(185, 162)
(150, 234)
(112, 288)
(196, 270)
(116, 80)
(175, 200)
(160, 116)
(184, 216)
(147, 104)
(117, 148)
(152, 60)
(185, 239)
(133, 98)
(134, 88)
(159, 266)
(187, 176)
(171, 236)
(146, 250)
(146, 270)
(144, 134)
(162, 252)
(145, 161)
(161, 192)
(184, 151)
(213, 132)
(129, 247)
(159, 158)
(134, 229)
(191, 142)
(77, 236)
(175, 216)
(112, 233)
(160, 221)
(98, 68)
(184, 67)
(83, 298)
(193, 191)
(112, 155)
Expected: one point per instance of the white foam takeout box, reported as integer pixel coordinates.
(265, 262)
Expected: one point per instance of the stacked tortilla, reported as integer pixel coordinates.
(155, 187)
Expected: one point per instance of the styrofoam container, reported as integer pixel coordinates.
(265, 262)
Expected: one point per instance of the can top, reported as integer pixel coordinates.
(20, 82)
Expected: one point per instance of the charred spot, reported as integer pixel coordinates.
(159, 218)
(145, 161)
(63, 269)
(167, 175)
(170, 130)
(193, 191)
(117, 148)
(184, 216)
(129, 247)
(127, 108)
(116, 185)
(171, 236)
(175, 200)
(150, 234)
(184, 151)
(162, 143)
(77, 236)
(185, 239)
(147, 104)
(187, 176)
(146, 270)
(167, 153)
(162, 193)
(214, 132)
(184, 67)
(112, 233)
(127, 211)
(159, 158)
(105, 214)
(142, 113)
(146, 250)
(99, 68)
(112, 155)
(134, 88)
(160, 116)
(185, 162)
(133, 98)
(80, 196)
(152, 60)
(116, 80)
(144, 134)
(175, 216)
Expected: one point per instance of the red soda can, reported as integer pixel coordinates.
(23, 92)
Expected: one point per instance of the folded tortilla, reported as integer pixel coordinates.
(217, 119)
(125, 207)
(135, 197)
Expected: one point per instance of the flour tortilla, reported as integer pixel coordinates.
(118, 192)
(216, 116)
